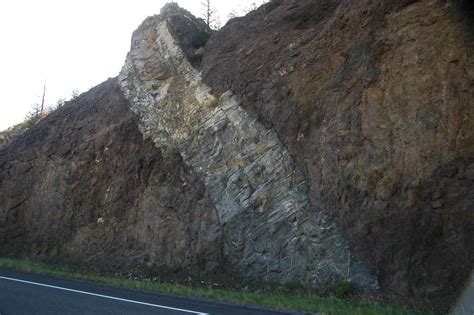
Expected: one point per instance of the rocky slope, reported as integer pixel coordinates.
(310, 141)
(83, 185)
(374, 99)
(261, 197)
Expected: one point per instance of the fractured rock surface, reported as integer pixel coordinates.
(260, 196)
(84, 186)
(309, 140)
(374, 100)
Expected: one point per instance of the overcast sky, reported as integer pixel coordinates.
(70, 45)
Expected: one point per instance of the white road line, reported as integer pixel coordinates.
(103, 296)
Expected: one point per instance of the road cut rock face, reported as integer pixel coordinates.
(84, 186)
(260, 196)
(309, 141)
(374, 101)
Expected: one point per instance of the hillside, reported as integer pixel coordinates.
(310, 141)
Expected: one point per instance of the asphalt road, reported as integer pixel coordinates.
(30, 293)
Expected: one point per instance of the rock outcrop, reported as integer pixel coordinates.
(374, 99)
(84, 186)
(315, 141)
(261, 198)
(9, 135)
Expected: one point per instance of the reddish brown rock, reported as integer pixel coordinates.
(371, 99)
(374, 100)
(85, 186)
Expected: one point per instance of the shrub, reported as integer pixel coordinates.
(200, 39)
(343, 288)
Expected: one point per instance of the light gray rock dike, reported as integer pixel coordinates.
(269, 227)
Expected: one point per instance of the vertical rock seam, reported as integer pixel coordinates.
(261, 197)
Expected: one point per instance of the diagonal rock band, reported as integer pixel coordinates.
(309, 141)
(268, 224)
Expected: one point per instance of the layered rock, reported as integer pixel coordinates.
(270, 230)
(374, 99)
(314, 141)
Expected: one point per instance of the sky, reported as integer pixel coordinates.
(71, 45)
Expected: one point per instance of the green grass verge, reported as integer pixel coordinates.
(301, 302)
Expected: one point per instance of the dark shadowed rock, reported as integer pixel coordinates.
(84, 185)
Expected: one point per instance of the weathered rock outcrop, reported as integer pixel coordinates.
(261, 198)
(374, 100)
(9, 135)
(314, 141)
(83, 185)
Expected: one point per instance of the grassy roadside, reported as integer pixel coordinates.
(301, 302)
